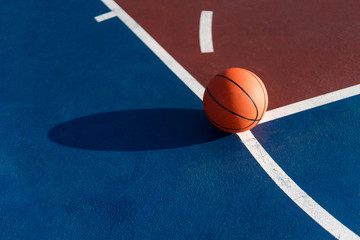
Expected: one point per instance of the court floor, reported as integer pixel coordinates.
(104, 134)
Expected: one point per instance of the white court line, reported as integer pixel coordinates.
(310, 103)
(304, 201)
(205, 32)
(105, 16)
(164, 56)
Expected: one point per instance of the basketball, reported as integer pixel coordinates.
(235, 100)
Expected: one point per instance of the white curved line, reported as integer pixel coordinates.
(205, 33)
(313, 209)
(290, 188)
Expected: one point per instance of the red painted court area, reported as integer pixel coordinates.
(299, 49)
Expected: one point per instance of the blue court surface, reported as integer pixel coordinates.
(101, 140)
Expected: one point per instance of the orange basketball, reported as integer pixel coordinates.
(235, 100)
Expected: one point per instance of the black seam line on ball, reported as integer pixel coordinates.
(228, 109)
(264, 90)
(257, 112)
(252, 122)
(231, 128)
(207, 89)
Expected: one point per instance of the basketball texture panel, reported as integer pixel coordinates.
(229, 95)
(251, 84)
(265, 96)
(224, 119)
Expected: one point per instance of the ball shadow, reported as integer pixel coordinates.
(137, 130)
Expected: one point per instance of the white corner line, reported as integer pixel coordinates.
(105, 16)
(310, 103)
(205, 32)
(288, 186)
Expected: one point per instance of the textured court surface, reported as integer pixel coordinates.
(100, 140)
(299, 49)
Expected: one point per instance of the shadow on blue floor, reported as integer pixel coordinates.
(136, 130)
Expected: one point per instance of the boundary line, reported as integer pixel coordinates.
(287, 185)
(294, 192)
(310, 103)
(205, 33)
(159, 51)
(105, 16)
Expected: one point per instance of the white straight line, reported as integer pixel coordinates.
(169, 61)
(205, 32)
(310, 103)
(304, 201)
(313, 209)
(105, 16)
